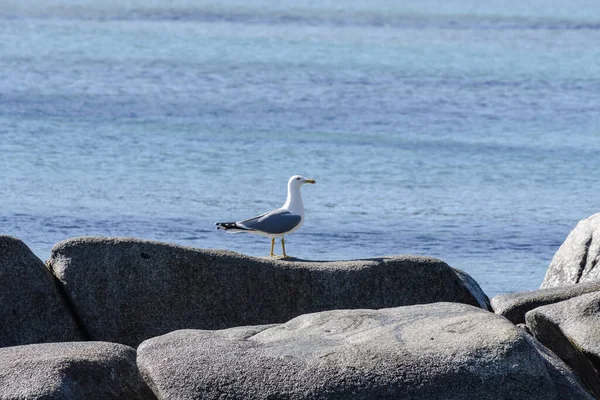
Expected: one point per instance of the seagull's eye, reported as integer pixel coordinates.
(297, 179)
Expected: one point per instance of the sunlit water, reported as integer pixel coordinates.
(458, 130)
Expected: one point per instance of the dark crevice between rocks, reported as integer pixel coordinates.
(592, 267)
(583, 261)
(69, 303)
(595, 360)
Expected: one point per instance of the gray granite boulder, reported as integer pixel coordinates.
(577, 258)
(31, 308)
(445, 351)
(514, 306)
(76, 370)
(128, 290)
(571, 329)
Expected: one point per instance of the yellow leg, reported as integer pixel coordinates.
(272, 247)
(283, 247)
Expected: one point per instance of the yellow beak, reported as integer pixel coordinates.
(310, 181)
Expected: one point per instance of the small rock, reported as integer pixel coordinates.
(76, 370)
(444, 351)
(571, 329)
(31, 308)
(514, 305)
(128, 290)
(577, 258)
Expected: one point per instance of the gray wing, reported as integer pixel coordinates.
(274, 222)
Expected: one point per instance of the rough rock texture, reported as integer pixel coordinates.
(439, 351)
(571, 329)
(514, 305)
(577, 258)
(31, 308)
(128, 290)
(76, 370)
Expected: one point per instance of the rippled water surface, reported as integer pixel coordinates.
(454, 129)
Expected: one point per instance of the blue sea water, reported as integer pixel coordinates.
(455, 129)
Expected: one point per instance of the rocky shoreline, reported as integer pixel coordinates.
(121, 318)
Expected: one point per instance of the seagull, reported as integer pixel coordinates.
(275, 223)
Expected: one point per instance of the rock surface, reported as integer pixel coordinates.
(439, 351)
(31, 308)
(514, 306)
(128, 290)
(577, 258)
(76, 370)
(571, 329)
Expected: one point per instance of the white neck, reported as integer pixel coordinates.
(294, 200)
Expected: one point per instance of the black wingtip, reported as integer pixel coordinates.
(228, 225)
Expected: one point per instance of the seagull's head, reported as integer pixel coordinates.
(299, 180)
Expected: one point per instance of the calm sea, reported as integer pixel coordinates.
(464, 130)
